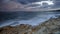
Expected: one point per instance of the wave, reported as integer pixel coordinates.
(32, 18)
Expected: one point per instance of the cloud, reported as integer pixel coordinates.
(8, 5)
(14, 5)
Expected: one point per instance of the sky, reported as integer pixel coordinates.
(29, 5)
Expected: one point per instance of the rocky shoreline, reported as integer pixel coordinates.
(52, 26)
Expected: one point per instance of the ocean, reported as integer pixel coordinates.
(22, 17)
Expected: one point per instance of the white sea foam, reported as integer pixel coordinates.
(34, 21)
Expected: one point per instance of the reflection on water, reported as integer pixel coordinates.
(32, 18)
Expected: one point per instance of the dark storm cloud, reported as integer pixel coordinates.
(57, 3)
(8, 4)
(28, 5)
(27, 1)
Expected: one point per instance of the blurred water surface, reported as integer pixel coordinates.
(31, 18)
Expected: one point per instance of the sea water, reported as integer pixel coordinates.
(31, 18)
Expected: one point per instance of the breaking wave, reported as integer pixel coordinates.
(31, 18)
